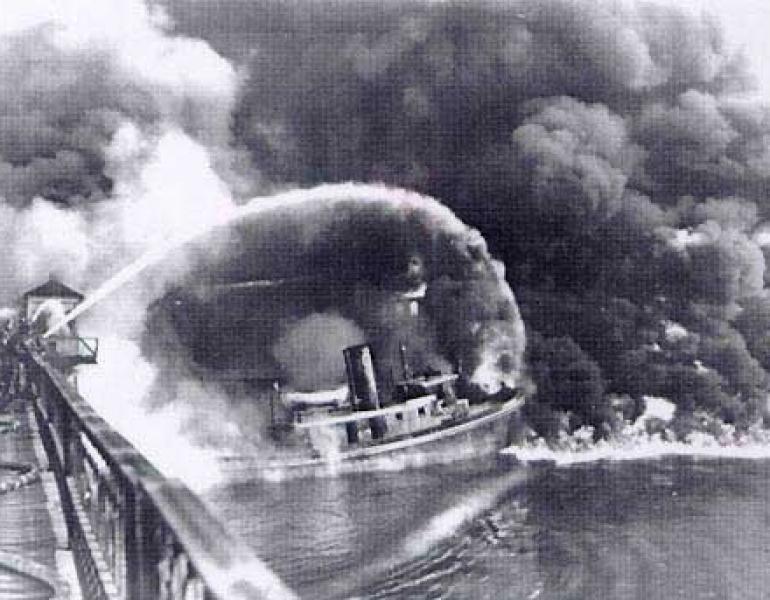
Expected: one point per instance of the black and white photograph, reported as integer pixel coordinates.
(384, 299)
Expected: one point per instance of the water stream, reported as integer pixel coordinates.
(338, 192)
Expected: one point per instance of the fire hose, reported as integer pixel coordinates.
(24, 474)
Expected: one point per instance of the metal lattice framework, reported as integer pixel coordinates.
(135, 534)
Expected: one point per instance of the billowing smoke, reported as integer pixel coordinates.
(605, 149)
(99, 114)
(602, 148)
(310, 350)
(102, 108)
(349, 264)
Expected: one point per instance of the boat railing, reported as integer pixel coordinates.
(135, 534)
(310, 419)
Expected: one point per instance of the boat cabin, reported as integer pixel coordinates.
(419, 405)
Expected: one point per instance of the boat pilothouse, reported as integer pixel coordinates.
(424, 413)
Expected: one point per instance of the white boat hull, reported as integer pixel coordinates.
(477, 436)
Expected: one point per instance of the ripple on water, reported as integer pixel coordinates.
(571, 533)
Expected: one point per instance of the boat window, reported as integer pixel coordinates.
(421, 411)
(399, 416)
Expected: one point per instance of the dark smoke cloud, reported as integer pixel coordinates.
(309, 351)
(596, 145)
(101, 107)
(66, 102)
(412, 93)
(575, 160)
(97, 99)
(334, 271)
(712, 264)
(599, 146)
(61, 113)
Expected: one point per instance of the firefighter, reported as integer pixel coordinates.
(19, 381)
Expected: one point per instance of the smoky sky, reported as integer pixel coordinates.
(557, 115)
(568, 132)
(429, 94)
(332, 271)
(602, 149)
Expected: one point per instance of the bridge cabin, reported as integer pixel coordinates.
(65, 349)
(51, 291)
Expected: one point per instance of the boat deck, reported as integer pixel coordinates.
(436, 444)
(33, 556)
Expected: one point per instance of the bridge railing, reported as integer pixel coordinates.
(134, 534)
(71, 349)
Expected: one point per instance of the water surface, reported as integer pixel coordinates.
(678, 527)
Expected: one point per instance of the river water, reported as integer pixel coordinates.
(669, 528)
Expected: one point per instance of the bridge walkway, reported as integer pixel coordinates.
(34, 560)
(83, 515)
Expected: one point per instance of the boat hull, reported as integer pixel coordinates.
(478, 436)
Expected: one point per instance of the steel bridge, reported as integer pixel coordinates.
(87, 496)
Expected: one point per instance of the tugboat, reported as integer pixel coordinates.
(424, 418)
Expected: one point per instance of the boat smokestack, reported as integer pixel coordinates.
(359, 365)
(406, 372)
